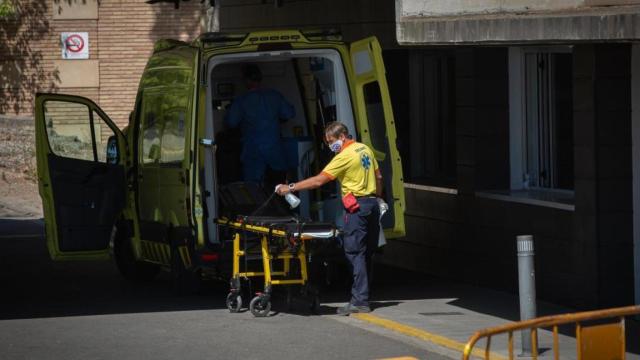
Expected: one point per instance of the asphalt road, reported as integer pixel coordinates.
(85, 310)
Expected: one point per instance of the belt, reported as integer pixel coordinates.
(365, 196)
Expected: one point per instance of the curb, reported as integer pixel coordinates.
(422, 335)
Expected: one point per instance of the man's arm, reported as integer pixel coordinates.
(234, 114)
(379, 184)
(286, 111)
(306, 184)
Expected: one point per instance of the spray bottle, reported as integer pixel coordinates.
(293, 200)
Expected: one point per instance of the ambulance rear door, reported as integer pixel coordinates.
(374, 119)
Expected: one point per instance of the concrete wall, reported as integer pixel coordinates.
(121, 38)
(467, 7)
(523, 21)
(472, 240)
(602, 133)
(584, 254)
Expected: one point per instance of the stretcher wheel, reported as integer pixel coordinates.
(314, 307)
(312, 294)
(234, 302)
(289, 299)
(258, 307)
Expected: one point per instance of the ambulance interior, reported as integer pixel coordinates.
(315, 83)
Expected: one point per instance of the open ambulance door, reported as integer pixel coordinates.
(374, 118)
(81, 178)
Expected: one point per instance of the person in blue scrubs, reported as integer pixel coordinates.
(259, 113)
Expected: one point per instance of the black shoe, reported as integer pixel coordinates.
(352, 309)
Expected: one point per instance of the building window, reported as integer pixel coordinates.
(541, 118)
(432, 120)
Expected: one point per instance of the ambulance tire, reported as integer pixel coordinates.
(131, 269)
(184, 281)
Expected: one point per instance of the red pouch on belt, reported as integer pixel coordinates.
(350, 203)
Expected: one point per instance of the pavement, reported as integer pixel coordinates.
(446, 314)
(68, 310)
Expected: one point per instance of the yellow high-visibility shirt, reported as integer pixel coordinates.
(355, 167)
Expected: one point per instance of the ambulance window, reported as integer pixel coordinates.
(69, 129)
(163, 124)
(150, 125)
(375, 116)
(172, 144)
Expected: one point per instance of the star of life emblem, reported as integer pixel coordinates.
(366, 161)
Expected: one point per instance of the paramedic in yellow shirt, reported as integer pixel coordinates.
(357, 170)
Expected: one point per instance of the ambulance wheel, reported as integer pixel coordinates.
(234, 302)
(184, 281)
(259, 307)
(128, 266)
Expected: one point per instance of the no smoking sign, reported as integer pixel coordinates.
(75, 45)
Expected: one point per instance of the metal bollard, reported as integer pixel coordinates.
(527, 287)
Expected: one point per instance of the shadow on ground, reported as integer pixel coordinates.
(36, 287)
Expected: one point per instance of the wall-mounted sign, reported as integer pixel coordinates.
(75, 45)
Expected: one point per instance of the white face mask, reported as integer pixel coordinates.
(336, 146)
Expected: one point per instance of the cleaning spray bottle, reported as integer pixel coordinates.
(293, 200)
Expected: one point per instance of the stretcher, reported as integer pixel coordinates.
(278, 244)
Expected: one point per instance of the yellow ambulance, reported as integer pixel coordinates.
(149, 196)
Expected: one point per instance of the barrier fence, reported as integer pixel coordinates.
(599, 334)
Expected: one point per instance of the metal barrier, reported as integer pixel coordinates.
(596, 338)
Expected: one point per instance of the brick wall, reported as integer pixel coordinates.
(354, 18)
(127, 31)
(27, 49)
(122, 37)
(121, 40)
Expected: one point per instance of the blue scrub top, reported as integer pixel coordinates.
(258, 113)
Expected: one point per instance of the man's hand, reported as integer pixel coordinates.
(283, 189)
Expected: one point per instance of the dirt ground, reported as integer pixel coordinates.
(19, 196)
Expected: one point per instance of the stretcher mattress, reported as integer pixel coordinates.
(247, 203)
(293, 227)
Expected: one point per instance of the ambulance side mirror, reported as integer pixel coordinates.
(113, 155)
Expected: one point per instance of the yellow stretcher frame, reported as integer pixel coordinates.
(268, 273)
(260, 305)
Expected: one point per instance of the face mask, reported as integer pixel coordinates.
(336, 146)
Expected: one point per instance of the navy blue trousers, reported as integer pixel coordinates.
(360, 240)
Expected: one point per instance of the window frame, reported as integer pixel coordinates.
(433, 163)
(91, 111)
(518, 115)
